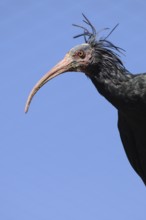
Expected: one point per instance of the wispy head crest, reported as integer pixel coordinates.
(90, 37)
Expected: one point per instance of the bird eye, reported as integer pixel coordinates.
(81, 54)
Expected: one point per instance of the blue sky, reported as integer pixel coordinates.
(64, 159)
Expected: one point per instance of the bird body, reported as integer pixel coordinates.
(128, 96)
(100, 61)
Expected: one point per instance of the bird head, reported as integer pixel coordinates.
(81, 58)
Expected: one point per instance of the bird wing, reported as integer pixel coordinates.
(133, 136)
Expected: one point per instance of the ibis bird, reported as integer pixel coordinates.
(99, 59)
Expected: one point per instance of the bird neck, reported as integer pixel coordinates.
(111, 80)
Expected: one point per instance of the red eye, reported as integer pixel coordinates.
(81, 54)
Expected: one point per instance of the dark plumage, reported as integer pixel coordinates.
(100, 61)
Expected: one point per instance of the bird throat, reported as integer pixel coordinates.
(109, 82)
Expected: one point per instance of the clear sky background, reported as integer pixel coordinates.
(64, 160)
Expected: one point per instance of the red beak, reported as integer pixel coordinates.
(63, 66)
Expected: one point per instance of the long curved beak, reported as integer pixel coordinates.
(63, 66)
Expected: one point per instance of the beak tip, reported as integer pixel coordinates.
(26, 109)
